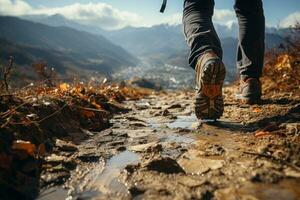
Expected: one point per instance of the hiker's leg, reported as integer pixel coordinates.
(205, 57)
(199, 30)
(251, 47)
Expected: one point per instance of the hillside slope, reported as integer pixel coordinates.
(72, 48)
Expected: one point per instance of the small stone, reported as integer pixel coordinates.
(121, 148)
(164, 165)
(293, 128)
(88, 156)
(174, 106)
(149, 147)
(138, 124)
(55, 178)
(53, 158)
(65, 146)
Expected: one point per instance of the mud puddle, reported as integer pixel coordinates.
(107, 182)
(99, 182)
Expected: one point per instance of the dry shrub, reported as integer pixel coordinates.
(282, 68)
(5, 75)
(45, 73)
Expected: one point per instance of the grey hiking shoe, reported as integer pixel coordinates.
(249, 91)
(210, 75)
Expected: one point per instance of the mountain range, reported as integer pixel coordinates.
(150, 51)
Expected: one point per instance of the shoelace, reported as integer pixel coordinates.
(163, 6)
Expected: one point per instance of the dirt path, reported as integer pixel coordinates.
(160, 151)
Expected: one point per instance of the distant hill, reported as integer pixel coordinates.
(58, 20)
(64, 48)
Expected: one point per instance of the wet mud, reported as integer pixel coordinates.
(159, 150)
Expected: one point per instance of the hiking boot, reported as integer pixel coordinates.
(210, 75)
(249, 91)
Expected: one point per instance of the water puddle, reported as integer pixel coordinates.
(287, 189)
(107, 182)
(53, 194)
(185, 122)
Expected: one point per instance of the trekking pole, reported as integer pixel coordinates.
(163, 6)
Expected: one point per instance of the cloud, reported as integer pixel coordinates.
(224, 17)
(17, 7)
(97, 14)
(101, 14)
(221, 16)
(290, 20)
(174, 19)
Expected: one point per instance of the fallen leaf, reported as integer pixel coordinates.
(87, 113)
(26, 146)
(96, 105)
(64, 87)
(257, 110)
(262, 133)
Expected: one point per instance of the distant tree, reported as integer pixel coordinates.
(5, 74)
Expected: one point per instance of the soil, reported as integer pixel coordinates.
(159, 150)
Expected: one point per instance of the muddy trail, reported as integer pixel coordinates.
(159, 150)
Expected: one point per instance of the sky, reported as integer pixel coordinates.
(116, 14)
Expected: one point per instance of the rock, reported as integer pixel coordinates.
(164, 165)
(194, 163)
(104, 139)
(65, 146)
(87, 132)
(57, 168)
(293, 128)
(135, 191)
(135, 119)
(88, 156)
(115, 143)
(292, 173)
(149, 147)
(55, 161)
(53, 158)
(262, 149)
(55, 178)
(138, 124)
(121, 148)
(142, 105)
(165, 113)
(129, 169)
(175, 106)
(139, 133)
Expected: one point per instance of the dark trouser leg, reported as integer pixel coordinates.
(250, 56)
(199, 30)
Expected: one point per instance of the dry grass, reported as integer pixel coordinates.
(282, 69)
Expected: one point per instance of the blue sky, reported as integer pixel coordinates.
(141, 12)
